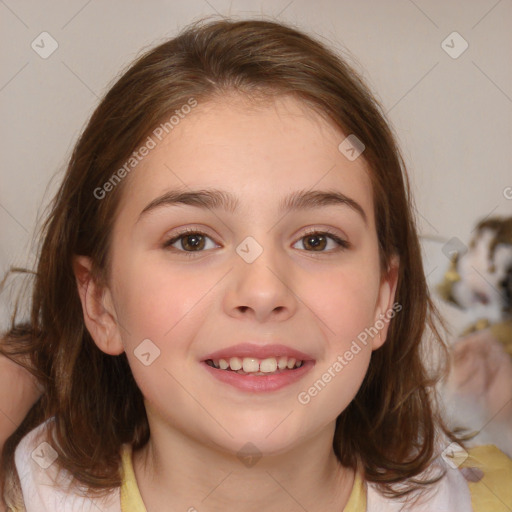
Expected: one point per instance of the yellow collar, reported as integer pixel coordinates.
(131, 500)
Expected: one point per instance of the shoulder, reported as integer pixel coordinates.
(44, 484)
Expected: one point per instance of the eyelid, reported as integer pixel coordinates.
(343, 243)
(341, 240)
(325, 230)
(185, 231)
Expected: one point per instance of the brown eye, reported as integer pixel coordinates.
(318, 241)
(193, 242)
(188, 242)
(315, 242)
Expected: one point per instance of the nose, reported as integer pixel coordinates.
(261, 289)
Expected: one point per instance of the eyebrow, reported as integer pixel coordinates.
(213, 199)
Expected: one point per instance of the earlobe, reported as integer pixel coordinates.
(385, 305)
(98, 309)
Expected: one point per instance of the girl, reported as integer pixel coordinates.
(230, 300)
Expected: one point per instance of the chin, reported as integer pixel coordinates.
(264, 441)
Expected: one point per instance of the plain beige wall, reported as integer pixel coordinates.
(453, 116)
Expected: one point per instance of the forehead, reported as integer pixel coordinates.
(257, 151)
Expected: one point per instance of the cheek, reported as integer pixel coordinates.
(335, 384)
(345, 301)
(351, 367)
(159, 312)
(154, 298)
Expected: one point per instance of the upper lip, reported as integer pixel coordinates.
(258, 351)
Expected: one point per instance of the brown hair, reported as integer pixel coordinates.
(389, 427)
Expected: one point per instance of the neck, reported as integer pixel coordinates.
(175, 472)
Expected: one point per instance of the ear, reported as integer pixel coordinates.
(385, 308)
(98, 308)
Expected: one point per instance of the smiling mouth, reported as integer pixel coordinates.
(256, 366)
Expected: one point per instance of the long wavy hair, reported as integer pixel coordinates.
(389, 429)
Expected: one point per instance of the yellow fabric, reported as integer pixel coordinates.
(131, 500)
(357, 500)
(493, 493)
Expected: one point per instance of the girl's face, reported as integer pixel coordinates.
(247, 283)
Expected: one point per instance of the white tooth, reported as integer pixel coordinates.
(268, 365)
(235, 363)
(250, 364)
(283, 360)
(291, 363)
(223, 364)
(297, 364)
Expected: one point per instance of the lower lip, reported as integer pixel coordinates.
(260, 383)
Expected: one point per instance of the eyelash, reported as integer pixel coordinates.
(343, 244)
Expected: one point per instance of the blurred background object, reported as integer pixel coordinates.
(478, 280)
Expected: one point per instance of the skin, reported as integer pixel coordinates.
(316, 302)
(15, 401)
